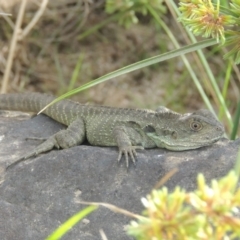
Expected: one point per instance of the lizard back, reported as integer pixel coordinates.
(66, 110)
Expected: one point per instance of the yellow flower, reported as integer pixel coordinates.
(203, 18)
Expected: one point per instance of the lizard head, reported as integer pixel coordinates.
(188, 131)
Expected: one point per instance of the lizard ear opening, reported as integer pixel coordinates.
(149, 129)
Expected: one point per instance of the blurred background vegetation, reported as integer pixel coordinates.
(76, 41)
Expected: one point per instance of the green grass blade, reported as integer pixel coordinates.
(226, 86)
(237, 164)
(138, 65)
(236, 123)
(65, 227)
(96, 27)
(59, 71)
(76, 72)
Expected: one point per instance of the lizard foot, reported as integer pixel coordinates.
(20, 160)
(131, 151)
(44, 147)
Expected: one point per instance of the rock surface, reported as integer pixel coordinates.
(36, 196)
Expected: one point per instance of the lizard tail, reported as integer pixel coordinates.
(26, 102)
(63, 111)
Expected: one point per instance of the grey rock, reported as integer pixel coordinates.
(39, 194)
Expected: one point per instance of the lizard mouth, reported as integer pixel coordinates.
(194, 145)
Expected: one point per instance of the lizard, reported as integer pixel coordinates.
(125, 128)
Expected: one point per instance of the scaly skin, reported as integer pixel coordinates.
(128, 129)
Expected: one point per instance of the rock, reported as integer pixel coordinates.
(39, 194)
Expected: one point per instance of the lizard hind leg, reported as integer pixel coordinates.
(70, 137)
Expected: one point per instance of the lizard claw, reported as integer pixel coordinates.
(36, 139)
(131, 151)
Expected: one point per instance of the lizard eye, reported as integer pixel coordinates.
(196, 126)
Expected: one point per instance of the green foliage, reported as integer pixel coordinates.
(131, 8)
(206, 213)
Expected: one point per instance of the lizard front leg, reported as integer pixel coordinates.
(72, 136)
(124, 144)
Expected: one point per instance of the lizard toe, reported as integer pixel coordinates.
(129, 151)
